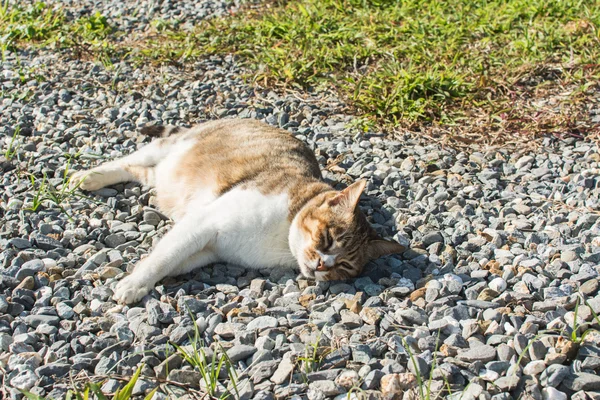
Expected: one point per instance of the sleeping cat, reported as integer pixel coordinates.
(243, 192)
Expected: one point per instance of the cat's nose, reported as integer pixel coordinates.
(322, 266)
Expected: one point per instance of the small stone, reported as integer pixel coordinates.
(19, 243)
(482, 353)
(305, 299)
(46, 242)
(105, 366)
(348, 379)
(568, 256)
(520, 343)
(24, 380)
(554, 375)
(372, 380)
(361, 353)
(240, 352)
(111, 386)
(337, 358)
(108, 272)
(523, 161)
(27, 283)
(396, 384)
(328, 388)
(351, 319)
(187, 377)
(412, 316)
(227, 330)
(589, 288)
(64, 311)
(284, 369)
(418, 366)
(555, 358)
(181, 333)
(582, 381)
(537, 350)
(5, 341)
(487, 294)
(534, 368)
(498, 285)
(431, 238)
(507, 383)
(173, 362)
(30, 268)
(106, 192)
(522, 209)
(36, 320)
(551, 393)
(56, 369)
(152, 218)
(142, 386)
(371, 315)
(262, 323)
(115, 240)
(258, 286)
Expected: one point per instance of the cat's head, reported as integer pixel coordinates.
(332, 239)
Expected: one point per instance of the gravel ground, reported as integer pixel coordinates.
(503, 246)
(133, 16)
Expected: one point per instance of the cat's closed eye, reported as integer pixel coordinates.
(328, 241)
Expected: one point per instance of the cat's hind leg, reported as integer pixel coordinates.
(138, 166)
(183, 248)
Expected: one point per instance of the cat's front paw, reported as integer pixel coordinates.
(131, 290)
(86, 180)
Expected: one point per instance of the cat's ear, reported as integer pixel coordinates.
(382, 247)
(348, 198)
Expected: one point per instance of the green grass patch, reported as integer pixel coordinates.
(410, 63)
(93, 390)
(45, 26)
(401, 60)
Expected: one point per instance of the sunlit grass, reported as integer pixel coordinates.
(395, 63)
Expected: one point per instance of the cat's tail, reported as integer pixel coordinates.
(160, 131)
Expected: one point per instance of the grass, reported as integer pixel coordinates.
(311, 360)
(13, 147)
(574, 336)
(469, 68)
(210, 369)
(579, 333)
(412, 61)
(93, 390)
(40, 24)
(46, 193)
(424, 390)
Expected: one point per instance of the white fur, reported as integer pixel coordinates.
(299, 242)
(169, 186)
(243, 227)
(328, 259)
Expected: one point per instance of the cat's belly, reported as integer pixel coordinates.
(252, 229)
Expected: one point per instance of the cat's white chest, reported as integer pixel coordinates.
(252, 228)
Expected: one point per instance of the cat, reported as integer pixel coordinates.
(243, 192)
